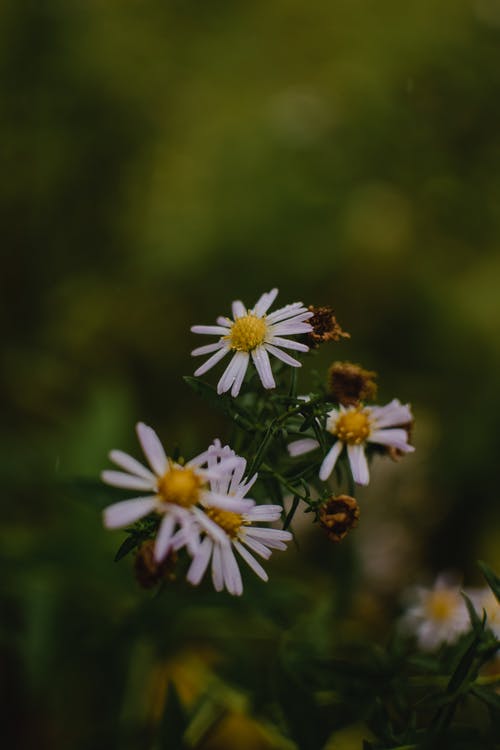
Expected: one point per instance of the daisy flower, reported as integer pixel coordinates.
(438, 616)
(170, 489)
(355, 426)
(252, 332)
(236, 532)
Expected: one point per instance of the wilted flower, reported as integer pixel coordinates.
(354, 427)
(324, 327)
(338, 515)
(148, 570)
(253, 332)
(438, 616)
(237, 533)
(349, 384)
(172, 490)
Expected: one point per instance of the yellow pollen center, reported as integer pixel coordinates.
(180, 486)
(230, 522)
(247, 333)
(352, 427)
(441, 605)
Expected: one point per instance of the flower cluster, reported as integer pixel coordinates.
(202, 505)
(201, 508)
(438, 615)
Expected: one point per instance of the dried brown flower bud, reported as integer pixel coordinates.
(325, 327)
(338, 515)
(349, 384)
(149, 572)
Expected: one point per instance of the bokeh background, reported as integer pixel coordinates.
(161, 159)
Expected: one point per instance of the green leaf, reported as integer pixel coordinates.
(127, 546)
(487, 696)
(291, 512)
(492, 579)
(476, 622)
(173, 723)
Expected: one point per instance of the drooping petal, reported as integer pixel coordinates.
(286, 358)
(251, 561)
(231, 572)
(212, 361)
(126, 481)
(304, 445)
(238, 381)
(128, 511)
(217, 573)
(359, 464)
(200, 562)
(257, 546)
(330, 460)
(164, 536)
(232, 371)
(152, 448)
(394, 437)
(261, 361)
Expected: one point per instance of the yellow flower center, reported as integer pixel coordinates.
(247, 333)
(230, 522)
(441, 605)
(352, 427)
(180, 486)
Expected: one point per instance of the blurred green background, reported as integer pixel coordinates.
(161, 159)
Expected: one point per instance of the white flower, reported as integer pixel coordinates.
(354, 427)
(234, 532)
(253, 332)
(438, 616)
(485, 599)
(170, 489)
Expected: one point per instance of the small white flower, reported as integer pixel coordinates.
(251, 332)
(170, 489)
(354, 427)
(485, 599)
(438, 616)
(235, 532)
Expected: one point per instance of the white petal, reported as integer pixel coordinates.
(359, 464)
(231, 572)
(152, 447)
(304, 445)
(127, 481)
(251, 561)
(257, 547)
(207, 349)
(246, 486)
(224, 322)
(265, 302)
(288, 311)
(238, 381)
(392, 414)
(211, 361)
(261, 361)
(211, 528)
(264, 513)
(286, 358)
(281, 534)
(213, 330)
(288, 344)
(200, 562)
(330, 460)
(127, 511)
(164, 536)
(288, 328)
(124, 461)
(237, 476)
(268, 541)
(239, 309)
(397, 438)
(226, 502)
(217, 574)
(232, 371)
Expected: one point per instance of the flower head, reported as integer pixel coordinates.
(349, 384)
(353, 428)
(438, 616)
(338, 515)
(324, 327)
(234, 532)
(253, 333)
(171, 489)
